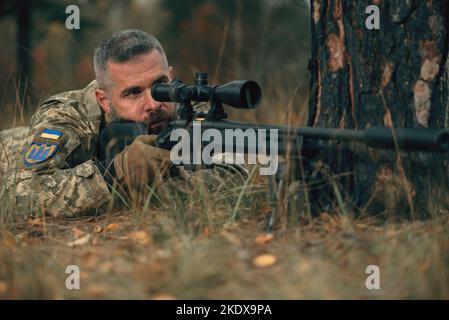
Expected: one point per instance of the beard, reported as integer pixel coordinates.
(156, 122)
(113, 113)
(159, 120)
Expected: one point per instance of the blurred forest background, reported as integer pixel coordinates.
(262, 40)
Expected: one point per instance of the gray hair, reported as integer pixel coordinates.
(123, 46)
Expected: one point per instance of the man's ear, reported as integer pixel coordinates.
(103, 100)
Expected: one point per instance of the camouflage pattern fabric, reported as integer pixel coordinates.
(12, 144)
(69, 183)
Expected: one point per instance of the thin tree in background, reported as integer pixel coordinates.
(23, 12)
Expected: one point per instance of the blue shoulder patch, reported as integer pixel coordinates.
(39, 152)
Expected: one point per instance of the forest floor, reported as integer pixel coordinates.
(151, 255)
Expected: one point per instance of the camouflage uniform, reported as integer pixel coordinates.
(69, 183)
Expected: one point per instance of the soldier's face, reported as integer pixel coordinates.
(130, 96)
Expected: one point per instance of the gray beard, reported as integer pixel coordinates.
(155, 117)
(115, 116)
(113, 113)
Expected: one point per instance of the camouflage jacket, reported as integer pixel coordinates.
(49, 167)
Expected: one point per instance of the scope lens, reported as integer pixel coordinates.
(250, 94)
(161, 92)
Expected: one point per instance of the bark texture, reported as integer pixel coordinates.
(396, 76)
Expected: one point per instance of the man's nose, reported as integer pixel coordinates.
(150, 103)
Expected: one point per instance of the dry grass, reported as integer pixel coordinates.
(206, 250)
(150, 254)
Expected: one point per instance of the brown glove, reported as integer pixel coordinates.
(142, 163)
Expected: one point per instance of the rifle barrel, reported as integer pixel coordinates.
(405, 139)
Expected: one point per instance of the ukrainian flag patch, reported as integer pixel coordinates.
(39, 152)
(51, 134)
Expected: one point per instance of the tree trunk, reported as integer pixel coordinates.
(23, 51)
(395, 76)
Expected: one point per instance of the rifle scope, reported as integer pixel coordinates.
(242, 94)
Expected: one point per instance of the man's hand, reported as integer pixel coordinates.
(142, 163)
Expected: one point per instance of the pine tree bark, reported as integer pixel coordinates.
(395, 76)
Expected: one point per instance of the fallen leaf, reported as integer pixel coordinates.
(80, 241)
(163, 296)
(97, 228)
(264, 260)
(140, 237)
(77, 233)
(264, 238)
(112, 226)
(3, 287)
(206, 232)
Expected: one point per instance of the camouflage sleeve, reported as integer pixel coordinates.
(56, 175)
(56, 193)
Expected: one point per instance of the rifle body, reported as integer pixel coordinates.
(306, 140)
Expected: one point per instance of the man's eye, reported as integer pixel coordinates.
(134, 92)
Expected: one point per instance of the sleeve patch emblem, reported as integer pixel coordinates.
(39, 152)
(51, 134)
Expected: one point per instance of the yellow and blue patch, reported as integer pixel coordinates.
(44, 147)
(51, 134)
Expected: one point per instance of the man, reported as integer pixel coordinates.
(59, 172)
